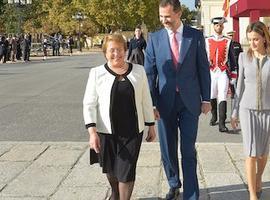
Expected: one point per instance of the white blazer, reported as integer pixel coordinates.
(97, 98)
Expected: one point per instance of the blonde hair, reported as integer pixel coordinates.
(260, 28)
(116, 37)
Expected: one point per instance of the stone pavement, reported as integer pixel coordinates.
(61, 171)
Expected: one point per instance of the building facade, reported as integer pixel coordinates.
(213, 8)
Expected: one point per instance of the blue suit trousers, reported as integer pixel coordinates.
(183, 120)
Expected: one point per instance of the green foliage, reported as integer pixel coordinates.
(51, 16)
(115, 15)
(2, 19)
(1, 6)
(187, 15)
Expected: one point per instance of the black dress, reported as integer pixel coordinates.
(120, 150)
(135, 52)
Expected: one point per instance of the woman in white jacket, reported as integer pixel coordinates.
(117, 105)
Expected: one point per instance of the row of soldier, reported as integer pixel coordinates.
(14, 47)
(56, 43)
(18, 47)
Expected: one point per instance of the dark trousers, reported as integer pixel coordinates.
(5, 56)
(187, 123)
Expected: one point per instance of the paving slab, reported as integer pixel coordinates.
(151, 158)
(236, 152)
(152, 146)
(2, 185)
(85, 175)
(215, 159)
(67, 145)
(10, 170)
(24, 152)
(240, 166)
(36, 181)
(23, 198)
(81, 193)
(225, 195)
(226, 186)
(59, 157)
(147, 182)
(61, 170)
(215, 181)
(5, 148)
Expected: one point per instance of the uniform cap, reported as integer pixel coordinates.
(218, 20)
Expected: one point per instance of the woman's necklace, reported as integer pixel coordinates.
(120, 70)
(260, 56)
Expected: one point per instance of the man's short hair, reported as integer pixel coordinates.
(174, 3)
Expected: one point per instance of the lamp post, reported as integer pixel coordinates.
(79, 17)
(18, 4)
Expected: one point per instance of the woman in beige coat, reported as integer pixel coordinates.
(253, 105)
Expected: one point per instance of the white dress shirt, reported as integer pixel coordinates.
(179, 35)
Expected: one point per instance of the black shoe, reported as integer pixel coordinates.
(223, 129)
(172, 194)
(213, 112)
(222, 116)
(212, 122)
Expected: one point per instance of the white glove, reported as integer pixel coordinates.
(232, 81)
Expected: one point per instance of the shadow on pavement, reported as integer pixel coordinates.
(235, 192)
(230, 192)
(83, 67)
(8, 74)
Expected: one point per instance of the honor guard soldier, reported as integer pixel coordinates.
(236, 47)
(237, 50)
(222, 69)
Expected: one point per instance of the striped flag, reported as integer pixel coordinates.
(226, 7)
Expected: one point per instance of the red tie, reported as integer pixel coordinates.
(175, 50)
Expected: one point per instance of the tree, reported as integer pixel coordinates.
(1, 14)
(56, 16)
(187, 15)
(123, 15)
(143, 11)
(33, 20)
(8, 18)
(51, 16)
(14, 16)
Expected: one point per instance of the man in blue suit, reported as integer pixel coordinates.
(178, 73)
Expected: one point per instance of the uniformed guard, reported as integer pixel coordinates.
(222, 69)
(236, 47)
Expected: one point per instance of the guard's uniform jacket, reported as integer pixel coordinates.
(223, 72)
(221, 55)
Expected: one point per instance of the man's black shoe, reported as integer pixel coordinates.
(212, 123)
(223, 129)
(172, 194)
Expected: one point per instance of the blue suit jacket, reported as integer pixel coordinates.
(192, 75)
